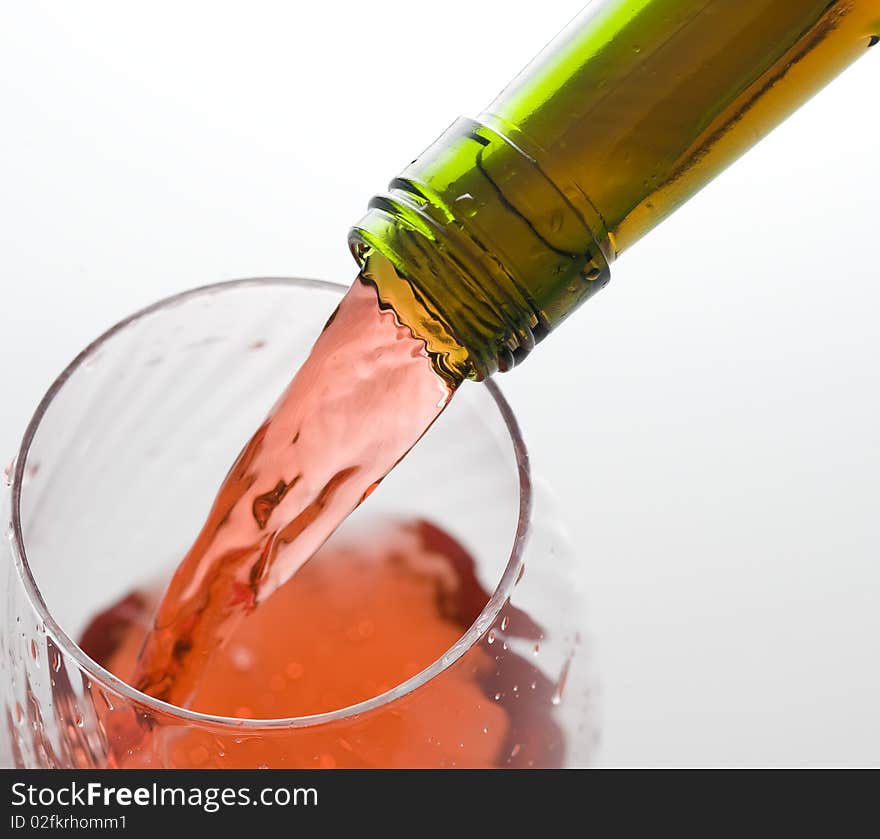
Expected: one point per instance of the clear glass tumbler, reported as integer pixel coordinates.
(113, 479)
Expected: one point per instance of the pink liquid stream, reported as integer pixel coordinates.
(362, 399)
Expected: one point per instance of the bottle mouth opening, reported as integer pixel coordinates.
(383, 265)
(107, 680)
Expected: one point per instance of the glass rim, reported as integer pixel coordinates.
(104, 677)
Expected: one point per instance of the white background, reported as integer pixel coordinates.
(711, 421)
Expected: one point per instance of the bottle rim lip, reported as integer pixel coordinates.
(101, 676)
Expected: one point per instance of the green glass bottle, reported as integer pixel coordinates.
(507, 223)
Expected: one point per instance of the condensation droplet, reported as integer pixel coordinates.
(497, 696)
(560, 684)
(515, 750)
(485, 729)
(361, 631)
(198, 755)
(505, 622)
(491, 637)
(536, 649)
(242, 657)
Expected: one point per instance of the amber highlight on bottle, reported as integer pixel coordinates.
(508, 222)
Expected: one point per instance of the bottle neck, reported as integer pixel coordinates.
(505, 225)
(466, 225)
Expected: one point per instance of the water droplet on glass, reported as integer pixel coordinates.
(469, 206)
(242, 657)
(505, 622)
(198, 755)
(361, 631)
(491, 637)
(560, 684)
(485, 729)
(497, 696)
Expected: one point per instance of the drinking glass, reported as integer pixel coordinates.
(115, 474)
